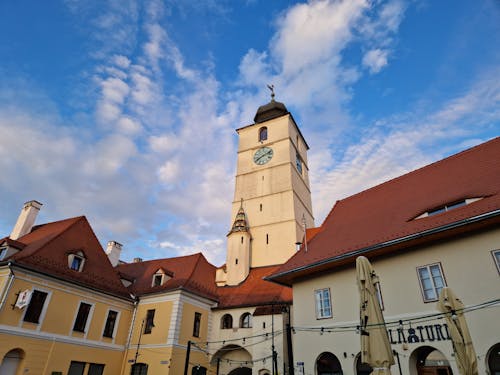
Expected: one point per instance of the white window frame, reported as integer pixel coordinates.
(79, 255)
(319, 298)
(434, 288)
(45, 307)
(87, 323)
(496, 258)
(3, 252)
(115, 328)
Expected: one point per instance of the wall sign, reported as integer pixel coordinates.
(431, 332)
(23, 299)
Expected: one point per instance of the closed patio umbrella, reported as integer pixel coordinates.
(375, 347)
(465, 355)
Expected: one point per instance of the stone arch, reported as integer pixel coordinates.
(241, 371)
(493, 359)
(232, 357)
(426, 360)
(11, 362)
(328, 364)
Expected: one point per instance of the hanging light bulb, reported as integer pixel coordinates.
(454, 315)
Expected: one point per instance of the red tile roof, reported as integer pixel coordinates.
(192, 273)
(254, 291)
(47, 247)
(386, 214)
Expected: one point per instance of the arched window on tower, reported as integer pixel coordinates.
(262, 134)
(246, 321)
(226, 321)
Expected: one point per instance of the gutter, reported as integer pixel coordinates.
(22, 266)
(425, 233)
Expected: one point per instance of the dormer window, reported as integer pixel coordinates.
(159, 278)
(76, 261)
(262, 134)
(3, 252)
(448, 207)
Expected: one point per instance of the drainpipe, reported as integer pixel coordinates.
(9, 284)
(127, 345)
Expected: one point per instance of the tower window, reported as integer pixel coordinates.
(196, 324)
(236, 261)
(267, 238)
(262, 134)
(241, 239)
(261, 207)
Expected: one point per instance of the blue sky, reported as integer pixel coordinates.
(124, 111)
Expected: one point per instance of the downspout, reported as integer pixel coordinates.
(127, 345)
(9, 285)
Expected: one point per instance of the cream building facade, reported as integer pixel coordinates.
(434, 227)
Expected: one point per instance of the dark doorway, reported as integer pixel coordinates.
(241, 371)
(328, 364)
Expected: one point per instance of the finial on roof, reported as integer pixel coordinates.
(271, 87)
(271, 110)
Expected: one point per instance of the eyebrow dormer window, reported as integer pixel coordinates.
(448, 207)
(76, 261)
(262, 134)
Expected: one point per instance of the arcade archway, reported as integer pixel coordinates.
(430, 361)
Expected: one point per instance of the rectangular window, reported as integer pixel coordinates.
(431, 281)
(76, 263)
(379, 296)
(157, 279)
(196, 325)
(76, 368)
(35, 306)
(149, 323)
(109, 328)
(96, 369)
(81, 317)
(496, 257)
(323, 303)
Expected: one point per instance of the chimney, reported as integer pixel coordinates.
(137, 260)
(113, 251)
(26, 219)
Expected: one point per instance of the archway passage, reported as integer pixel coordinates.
(494, 359)
(431, 361)
(328, 364)
(241, 371)
(11, 361)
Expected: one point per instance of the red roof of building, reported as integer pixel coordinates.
(192, 273)
(46, 249)
(254, 291)
(385, 216)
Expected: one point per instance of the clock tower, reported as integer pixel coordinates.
(272, 193)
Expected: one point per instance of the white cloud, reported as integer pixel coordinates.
(401, 143)
(313, 32)
(375, 60)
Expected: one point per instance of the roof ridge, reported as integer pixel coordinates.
(417, 170)
(75, 219)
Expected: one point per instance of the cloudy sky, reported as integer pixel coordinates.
(124, 110)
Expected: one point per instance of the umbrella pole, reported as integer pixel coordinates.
(399, 362)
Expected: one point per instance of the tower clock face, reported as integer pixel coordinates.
(262, 155)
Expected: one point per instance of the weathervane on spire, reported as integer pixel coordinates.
(271, 87)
